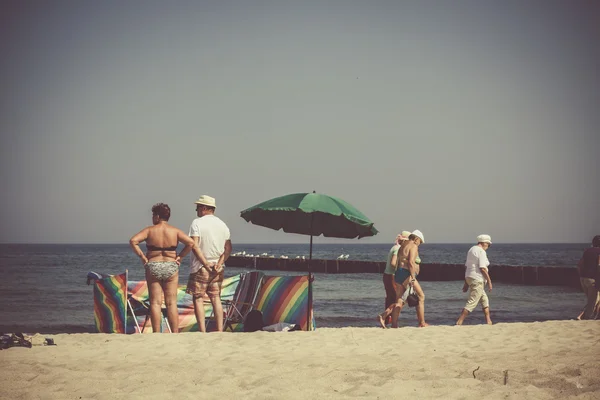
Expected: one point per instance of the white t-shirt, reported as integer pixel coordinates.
(476, 260)
(213, 234)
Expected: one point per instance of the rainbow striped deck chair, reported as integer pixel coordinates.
(286, 299)
(110, 304)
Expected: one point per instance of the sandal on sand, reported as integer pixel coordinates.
(381, 321)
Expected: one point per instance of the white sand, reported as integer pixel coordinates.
(557, 359)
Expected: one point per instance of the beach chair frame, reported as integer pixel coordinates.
(244, 299)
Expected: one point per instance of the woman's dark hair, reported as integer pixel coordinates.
(412, 237)
(162, 210)
(596, 241)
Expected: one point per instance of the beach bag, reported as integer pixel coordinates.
(254, 321)
(412, 299)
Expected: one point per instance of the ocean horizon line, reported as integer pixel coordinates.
(284, 243)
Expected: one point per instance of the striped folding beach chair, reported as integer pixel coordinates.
(285, 299)
(243, 300)
(110, 303)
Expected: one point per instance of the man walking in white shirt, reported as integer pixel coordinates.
(213, 237)
(476, 275)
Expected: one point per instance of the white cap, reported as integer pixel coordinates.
(419, 234)
(484, 239)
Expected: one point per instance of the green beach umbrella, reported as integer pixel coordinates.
(311, 214)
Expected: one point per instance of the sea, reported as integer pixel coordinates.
(43, 286)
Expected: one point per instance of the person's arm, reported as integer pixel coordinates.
(412, 265)
(394, 261)
(197, 252)
(188, 243)
(135, 241)
(486, 275)
(224, 256)
(465, 286)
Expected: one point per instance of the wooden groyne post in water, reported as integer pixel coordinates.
(560, 276)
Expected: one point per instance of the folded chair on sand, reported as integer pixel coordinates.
(237, 297)
(243, 300)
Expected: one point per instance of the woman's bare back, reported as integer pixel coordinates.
(161, 242)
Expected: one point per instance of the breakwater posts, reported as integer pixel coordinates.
(560, 276)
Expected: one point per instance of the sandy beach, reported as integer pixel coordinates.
(520, 360)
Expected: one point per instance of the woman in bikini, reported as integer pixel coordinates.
(406, 275)
(161, 262)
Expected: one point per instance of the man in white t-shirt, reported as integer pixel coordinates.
(213, 237)
(476, 275)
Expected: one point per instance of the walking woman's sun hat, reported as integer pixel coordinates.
(206, 201)
(419, 234)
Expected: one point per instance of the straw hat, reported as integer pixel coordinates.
(405, 235)
(419, 234)
(484, 239)
(206, 201)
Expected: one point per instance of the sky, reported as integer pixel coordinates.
(455, 118)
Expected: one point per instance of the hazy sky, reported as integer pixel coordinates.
(455, 118)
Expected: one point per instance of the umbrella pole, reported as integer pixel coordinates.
(308, 320)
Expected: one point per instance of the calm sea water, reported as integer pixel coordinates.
(43, 287)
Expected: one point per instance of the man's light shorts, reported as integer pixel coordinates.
(476, 295)
(205, 282)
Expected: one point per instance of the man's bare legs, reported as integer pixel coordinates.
(421, 305)
(217, 312)
(199, 312)
(396, 308)
(389, 285)
(389, 312)
(465, 312)
(486, 312)
(462, 317)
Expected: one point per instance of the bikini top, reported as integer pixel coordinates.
(402, 259)
(155, 248)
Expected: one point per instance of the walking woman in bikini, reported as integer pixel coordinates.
(161, 262)
(406, 275)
